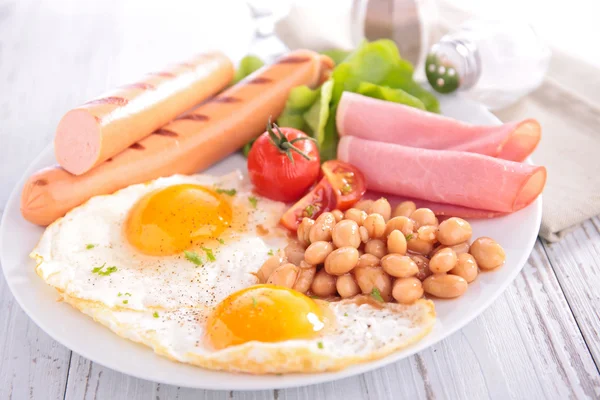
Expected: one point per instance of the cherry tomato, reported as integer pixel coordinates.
(320, 199)
(283, 163)
(347, 181)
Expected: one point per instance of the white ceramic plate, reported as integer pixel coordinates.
(516, 232)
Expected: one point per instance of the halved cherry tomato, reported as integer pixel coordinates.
(320, 199)
(283, 163)
(347, 181)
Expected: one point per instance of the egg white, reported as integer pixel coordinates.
(163, 302)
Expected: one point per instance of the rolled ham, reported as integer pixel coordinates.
(444, 176)
(384, 121)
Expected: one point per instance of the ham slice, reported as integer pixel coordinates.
(384, 121)
(440, 209)
(444, 176)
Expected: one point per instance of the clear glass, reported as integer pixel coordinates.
(512, 60)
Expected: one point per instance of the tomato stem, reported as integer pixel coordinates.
(283, 144)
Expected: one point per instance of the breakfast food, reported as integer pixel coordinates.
(390, 255)
(174, 264)
(283, 163)
(186, 145)
(453, 177)
(93, 132)
(384, 121)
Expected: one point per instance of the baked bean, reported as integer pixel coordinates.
(403, 224)
(338, 215)
(443, 261)
(323, 284)
(345, 233)
(396, 242)
(304, 230)
(454, 231)
(356, 215)
(376, 247)
(460, 248)
(363, 205)
(399, 266)
(445, 286)
(305, 277)
(427, 233)
(317, 252)
(268, 267)
(321, 230)
(407, 290)
(346, 286)
(423, 265)
(341, 260)
(294, 252)
(375, 225)
(419, 246)
(423, 217)
(364, 234)
(284, 275)
(466, 267)
(404, 209)
(374, 277)
(381, 207)
(488, 253)
(367, 260)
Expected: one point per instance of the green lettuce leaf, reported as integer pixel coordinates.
(389, 94)
(247, 65)
(336, 55)
(317, 115)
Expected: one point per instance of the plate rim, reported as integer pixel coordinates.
(269, 382)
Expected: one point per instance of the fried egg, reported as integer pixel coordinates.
(172, 264)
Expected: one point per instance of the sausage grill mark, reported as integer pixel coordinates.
(293, 60)
(194, 117)
(117, 101)
(162, 74)
(137, 146)
(166, 132)
(139, 85)
(109, 160)
(40, 182)
(259, 80)
(225, 99)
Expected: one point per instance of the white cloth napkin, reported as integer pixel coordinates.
(570, 145)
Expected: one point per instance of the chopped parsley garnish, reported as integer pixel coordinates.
(193, 257)
(104, 272)
(155, 315)
(120, 294)
(125, 301)
(345, 314)
(209, 254)
(254, 302)
(409, 236)
(228, 192)
(376, 294)
(347, 188)
(90, 246)
(127, 294)
(320, 345)
(253, 200)
(270, 252)
(221, 241)
(313, 296)
(310, 210)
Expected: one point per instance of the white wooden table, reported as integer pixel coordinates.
(540, 339)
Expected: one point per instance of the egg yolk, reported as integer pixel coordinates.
(265, 313)
(170, 220)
